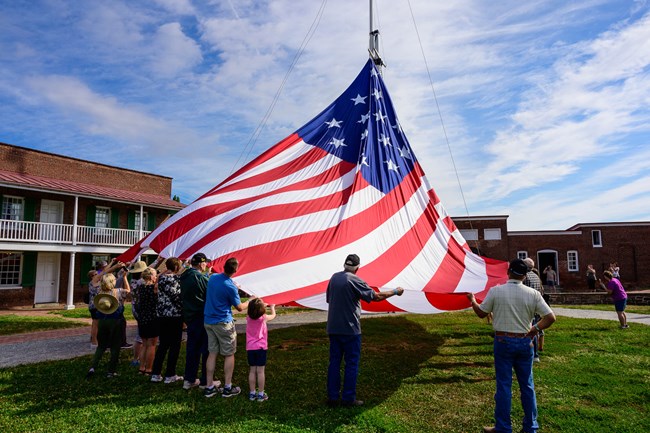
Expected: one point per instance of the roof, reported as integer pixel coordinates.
(67, 187)
(610, 224)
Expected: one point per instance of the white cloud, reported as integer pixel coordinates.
(173, 52)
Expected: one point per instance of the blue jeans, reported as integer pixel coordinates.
(517, 353)
(346, 347)
(196, 350)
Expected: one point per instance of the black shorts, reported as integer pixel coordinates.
(149, 330)
(256, 358)
(93, 313)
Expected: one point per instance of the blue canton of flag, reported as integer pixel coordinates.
(361, 127)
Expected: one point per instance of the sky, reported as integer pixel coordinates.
(535, 110)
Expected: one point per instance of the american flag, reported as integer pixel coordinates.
(346, 182)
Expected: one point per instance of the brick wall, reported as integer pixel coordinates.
(34, 162)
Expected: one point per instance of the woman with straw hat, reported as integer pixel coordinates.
(110, 307)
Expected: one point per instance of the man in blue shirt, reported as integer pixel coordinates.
(344, 293)
(222, 294)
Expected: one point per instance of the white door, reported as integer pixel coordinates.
(47, 278)
(51, 212)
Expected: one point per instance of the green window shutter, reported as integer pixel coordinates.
(91, 214)
(29, 269)
(85, 265)
(30, 209)
(130, 221)
(152, 221)
(115, 218)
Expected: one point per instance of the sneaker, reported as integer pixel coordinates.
(90, 373)
(127, 346)
(536, 359)
(156, 378)
(172, 379)
(210, 392)
(216, 383)
(188, 385)
(624, 326)
(352, 403)
(111, 375)
(252, 396)
(262, 396)
(230, 392)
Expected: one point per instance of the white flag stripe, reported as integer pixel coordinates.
(292, 153)
(474, 277)
(263, 232)
(301, 273)
(274, 231)
(414, 302)
(320, 191)
(424, 266)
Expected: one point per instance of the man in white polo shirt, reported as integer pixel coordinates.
(513, 306)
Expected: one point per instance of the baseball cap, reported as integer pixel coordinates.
(352, 260)
(518, 267)
(199, 258)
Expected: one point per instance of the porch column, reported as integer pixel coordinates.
(70, 300)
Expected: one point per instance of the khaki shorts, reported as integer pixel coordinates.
(222, 338)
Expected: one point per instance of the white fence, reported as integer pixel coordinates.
(48, 233)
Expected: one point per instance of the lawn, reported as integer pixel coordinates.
(636, 309)
(418, 373)
(17, 324)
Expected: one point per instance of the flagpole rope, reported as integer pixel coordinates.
(442, 123)
(250, 145)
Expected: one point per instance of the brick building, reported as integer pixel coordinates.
(61, 215)
(567, 251)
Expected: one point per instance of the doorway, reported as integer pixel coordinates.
(547, 258)
(47, 278)
(51, 213)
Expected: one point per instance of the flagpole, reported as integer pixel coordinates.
(373, 45)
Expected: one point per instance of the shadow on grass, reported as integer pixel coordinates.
(393, 350)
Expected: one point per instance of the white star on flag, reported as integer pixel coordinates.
(391, 165)
(359, 99)
(384, 140)
(338, 143)
(376, 93)
(332, 123)
(364, 118)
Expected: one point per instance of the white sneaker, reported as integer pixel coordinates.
(172, 379)
(216, 383)
(536, 359)
(189, 385)
(156, 378)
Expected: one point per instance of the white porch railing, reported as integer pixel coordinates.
(48, 233)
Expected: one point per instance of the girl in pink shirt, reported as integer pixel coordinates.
(256, 347)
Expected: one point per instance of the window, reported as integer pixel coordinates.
(98, 259)
(522, 255)
(469, 235)
(492, 234)
(572, 261)
(596, 240)
(137, 221)
(13, 208)
(10, 265)
(102, 217)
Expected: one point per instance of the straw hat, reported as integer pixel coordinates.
(106, 303)
(138, 267)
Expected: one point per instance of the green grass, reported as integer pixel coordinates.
(637, 309)
(83, 313)
(17, 324)
(418, 373)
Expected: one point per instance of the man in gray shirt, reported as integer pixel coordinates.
(344, 293)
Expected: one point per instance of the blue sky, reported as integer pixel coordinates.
(545, 104)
